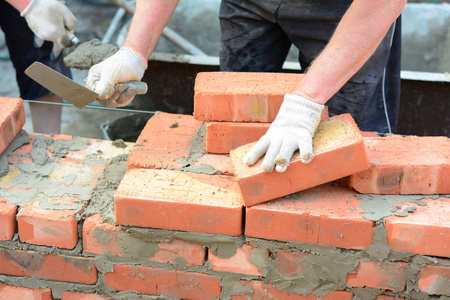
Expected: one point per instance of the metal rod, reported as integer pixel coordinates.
(95, 107)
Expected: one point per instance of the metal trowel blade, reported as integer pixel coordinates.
(61, 85)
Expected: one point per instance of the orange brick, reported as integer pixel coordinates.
(425, 231)
(7, 220)
(389, 276)
(339, 151)
(405, 165)
(82, 296)
(258, 290)
(322, 215)
(12, 119)
(222, 137)
(171, 141)
(9, 292)
(99, 237)
(48, 266)
(288, 263)
(434, 280)
(49, 227)
(241, 262)
(151, 281)
(179, 201)
(241, 96)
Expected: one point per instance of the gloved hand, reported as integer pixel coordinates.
(111, 78)
(50, 20)
(292, 129)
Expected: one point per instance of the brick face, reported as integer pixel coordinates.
(405, 165)
(179, 201)
(7, 220)
(339, 151)
(435, 280)
(151, 281)
(83, 296)
(241, 262)
(9, 292)
(47, 227)
(99, 237)
(425, 231)
(12, 119)
(323, 215)
(48, 266)
(241, 96)
(389, 276)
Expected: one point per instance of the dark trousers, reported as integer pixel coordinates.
(257, 36)
(23, 52)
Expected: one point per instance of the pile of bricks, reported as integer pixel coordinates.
(368, 218)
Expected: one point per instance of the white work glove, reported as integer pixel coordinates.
(50, 20)
(292, 129)
(115, 79)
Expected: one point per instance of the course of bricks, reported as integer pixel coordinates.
(166, 219)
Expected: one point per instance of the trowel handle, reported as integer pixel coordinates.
(69, 39)
(141, 87)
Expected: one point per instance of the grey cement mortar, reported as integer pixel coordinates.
(102, 200)
(19, 140)
(325, 268)
(89, 53)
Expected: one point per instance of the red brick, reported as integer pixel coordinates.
(241, 96)
(288, 263)
(323, 215)
(48, 266)
(99, 237)
(12, 119)
(369, 134)
(179, 201)
(82, 296)
(435, 280)
(241, 262)
(9, 292)
(425, 231)
(222, 137)
(389, 276)
(405, 165)
(49, 227)
(260, 291)
(151, 281)
(169, 140)
(339, 151)
(7, 220)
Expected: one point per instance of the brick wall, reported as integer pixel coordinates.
(165, 219)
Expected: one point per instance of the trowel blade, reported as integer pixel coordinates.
(61, 85)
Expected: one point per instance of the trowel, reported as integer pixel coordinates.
(66, 88)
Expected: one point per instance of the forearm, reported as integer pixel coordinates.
(149, 20)
(356, 38)
(20, 5)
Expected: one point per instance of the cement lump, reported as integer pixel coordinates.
(88, 54)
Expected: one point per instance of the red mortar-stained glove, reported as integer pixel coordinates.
(117, 78)
(292, 129)
(50, 20)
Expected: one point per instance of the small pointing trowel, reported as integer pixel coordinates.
(66, 88)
